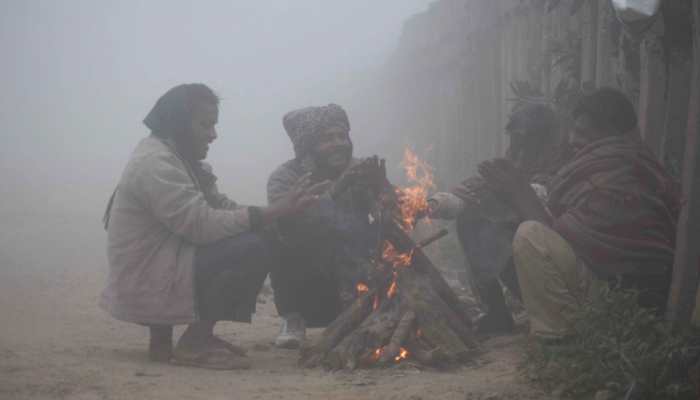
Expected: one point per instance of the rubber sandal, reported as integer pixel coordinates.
(216, 359)
(237, 350)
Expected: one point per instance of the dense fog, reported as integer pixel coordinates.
(78, 77)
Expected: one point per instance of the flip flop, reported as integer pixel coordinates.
(211, 358)
(237, 350)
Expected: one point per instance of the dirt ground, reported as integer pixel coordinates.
(55, 343)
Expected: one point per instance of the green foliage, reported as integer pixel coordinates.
(617, 346)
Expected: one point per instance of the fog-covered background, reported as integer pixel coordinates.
(78, 76)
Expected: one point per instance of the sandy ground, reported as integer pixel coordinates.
(55, 343)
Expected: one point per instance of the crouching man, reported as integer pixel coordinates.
(179, 251)
(611, 216)
(486, 223)
(317, 275)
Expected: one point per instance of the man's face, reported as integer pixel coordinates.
(333, 150)
(205, 116)
(517, 148)
(584, 132)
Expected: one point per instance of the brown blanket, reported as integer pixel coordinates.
(617, 207)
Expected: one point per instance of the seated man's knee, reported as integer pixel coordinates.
(268, 250)
(527, 233)
(534, 243)
(257, 249)
(537, 246)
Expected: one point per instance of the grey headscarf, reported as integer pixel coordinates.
(170, 116)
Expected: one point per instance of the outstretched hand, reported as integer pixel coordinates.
(302, 194)
(371, 172)
(503, 177)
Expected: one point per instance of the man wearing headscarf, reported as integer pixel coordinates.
(316, 277)
(610, 218)
(486, 224)
(179, 251)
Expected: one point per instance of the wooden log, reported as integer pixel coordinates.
(400, 335)
(373, 333)
(313, 352)
(357, 348)
(687, 257)
(441, 325)
(372, 330)
(652, 91)
(423, 264)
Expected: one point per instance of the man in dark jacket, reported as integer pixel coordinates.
(486, 223)
(611, 216)
(319, 247)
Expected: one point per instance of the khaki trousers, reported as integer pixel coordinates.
(553, 281)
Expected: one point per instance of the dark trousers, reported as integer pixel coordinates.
(229, 275)
(487, 246)
(301, 288)
(316, 256)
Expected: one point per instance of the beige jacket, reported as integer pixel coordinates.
(158, 216)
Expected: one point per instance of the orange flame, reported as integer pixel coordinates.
(403, 354)
(392, 256)
(377, 354)
(414, 199)
(362, 288)
(392, 289)
(375, 303)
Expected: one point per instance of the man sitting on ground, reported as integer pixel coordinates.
(486, 223)
(179, 251)
(611, 216)
(316, 278)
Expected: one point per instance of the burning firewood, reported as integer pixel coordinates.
(404, 309)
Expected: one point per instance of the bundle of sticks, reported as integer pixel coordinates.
(404, 311)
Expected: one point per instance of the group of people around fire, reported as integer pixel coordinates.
(553, 230)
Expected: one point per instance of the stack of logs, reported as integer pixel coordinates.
(404, 311)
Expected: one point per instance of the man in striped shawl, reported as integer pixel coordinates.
(611, 217)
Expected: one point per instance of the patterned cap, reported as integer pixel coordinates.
(305, 125)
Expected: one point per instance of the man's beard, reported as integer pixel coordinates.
(334, 162)
(189, 148)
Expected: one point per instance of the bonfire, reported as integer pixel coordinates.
(404, 310)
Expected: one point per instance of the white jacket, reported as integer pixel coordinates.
(158, 215)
